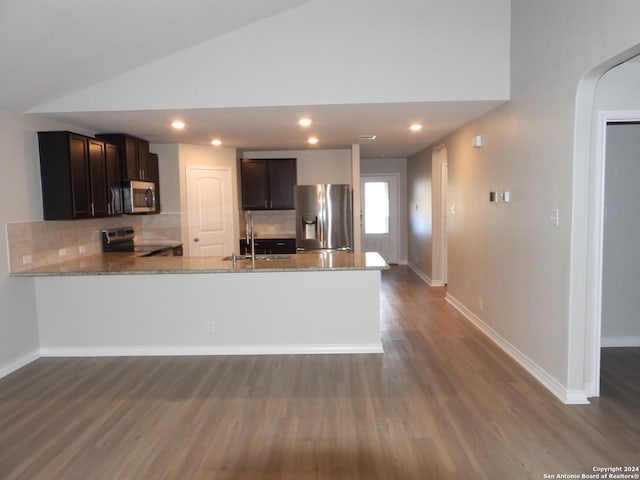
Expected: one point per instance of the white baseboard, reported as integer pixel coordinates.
(18, 363)
(620, 342)
(144, 350)
(565, 395)
(425, 277)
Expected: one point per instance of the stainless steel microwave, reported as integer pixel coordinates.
(139, 196)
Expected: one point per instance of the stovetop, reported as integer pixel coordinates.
(121, 239)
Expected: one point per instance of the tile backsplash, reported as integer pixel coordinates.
(35, 244)
(271, 222)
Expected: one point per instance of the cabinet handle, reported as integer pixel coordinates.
(93, 210)
(270, 203)
(265, 204)
(196, 239)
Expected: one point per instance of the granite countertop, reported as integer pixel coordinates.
(121, 263)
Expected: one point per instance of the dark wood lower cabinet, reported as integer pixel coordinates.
(268, 246)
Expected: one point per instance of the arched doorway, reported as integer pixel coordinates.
(587, 228)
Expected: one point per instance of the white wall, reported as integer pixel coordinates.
(327, 52)
(618, 88)
(314, 166)
(20, 200)
(398, 166)
(249, 312)
(509, 267)
(419, 205)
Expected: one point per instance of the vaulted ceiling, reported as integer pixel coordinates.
(244, 71)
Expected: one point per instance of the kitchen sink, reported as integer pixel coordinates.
(258, 257)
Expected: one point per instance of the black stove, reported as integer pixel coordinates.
(122, 240)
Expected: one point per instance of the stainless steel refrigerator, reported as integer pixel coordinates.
(324, 217)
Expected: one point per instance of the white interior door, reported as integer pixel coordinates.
(209, 204)
(380, 210)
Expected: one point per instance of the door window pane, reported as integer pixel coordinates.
(376, 207)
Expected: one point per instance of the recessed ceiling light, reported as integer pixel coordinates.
(313, 140)
(367, 137)
(216, 142)
(179, 125)
(305, 122)
(416, 127)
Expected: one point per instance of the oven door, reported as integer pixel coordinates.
(139, 197)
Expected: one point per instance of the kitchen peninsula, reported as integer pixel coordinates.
(122, 304)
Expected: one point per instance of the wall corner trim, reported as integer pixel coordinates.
(18, 363)
(425, 278)
(564, 394)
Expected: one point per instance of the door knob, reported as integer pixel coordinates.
(196, 239)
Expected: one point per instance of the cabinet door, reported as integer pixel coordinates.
(98, 178)
(114, 179)
(130, 158)
(282, 181)
(142, 149)
(254, 185)
(79, 171)
(153, 175)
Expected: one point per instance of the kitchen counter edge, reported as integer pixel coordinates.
(120, 263)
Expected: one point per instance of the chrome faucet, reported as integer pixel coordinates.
(250, 233)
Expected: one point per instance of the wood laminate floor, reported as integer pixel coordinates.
(442, 403)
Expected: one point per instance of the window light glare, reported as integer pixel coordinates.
(313, 140)
(304, 122)
(216, 142)
(416, 127)
(178, 124)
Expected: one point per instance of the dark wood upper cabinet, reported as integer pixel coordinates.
(98, 178)
(255, 185)
(153, 173)
(73, 171)
(134, 155)
(114, 179)
(268, 184)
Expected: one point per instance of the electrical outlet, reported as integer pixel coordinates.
(82, 249)
(211, 328)
(62, 252)
(27, 260)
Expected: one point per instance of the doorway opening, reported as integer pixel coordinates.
(209, 211)
(595, 108)
(614, 310)
(380, 203)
